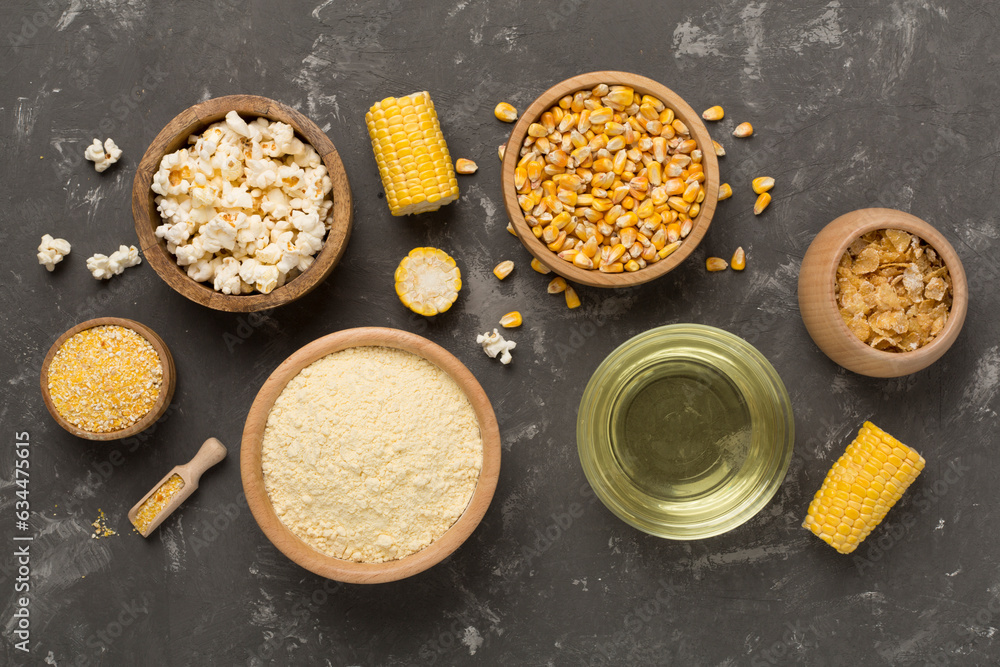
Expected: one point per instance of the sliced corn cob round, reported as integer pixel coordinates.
(861, 488)
(411, 153)
(428, 281)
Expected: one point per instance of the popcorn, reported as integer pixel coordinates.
(245, 206)
(51, 251)
(102, 156)
(103, 267)
(494, 344)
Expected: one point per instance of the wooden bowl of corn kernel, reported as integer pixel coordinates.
(642, 232)
(107, 378)
(174, 136)
(821, 310)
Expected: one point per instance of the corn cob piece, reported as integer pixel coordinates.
(861, 488)
(411, 153)
(428, 281)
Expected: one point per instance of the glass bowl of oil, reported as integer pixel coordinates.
(685, 431)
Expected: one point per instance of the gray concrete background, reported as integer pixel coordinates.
(855, 105)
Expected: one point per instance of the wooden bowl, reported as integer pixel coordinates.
(818, 305)
(641, 85)
(166, 387)
(174, 137)
(345, 570)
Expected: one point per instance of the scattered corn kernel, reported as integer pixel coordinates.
(739, 260)
(719, 150)
(716, 264)
(713, 113)
(725, 191)
(572, 299)
(505, 112)
(503, 269)
(743, 130)
(762, 201)
(464, 166)
(861, 487)
(428, 281)
(511, 320)
(541, 268)
(762, 184)
(510, 228)
(557, 285)
(412, 156)
(501, 150)
(105, 378)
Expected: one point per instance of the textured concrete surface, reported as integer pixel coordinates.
(855, 105)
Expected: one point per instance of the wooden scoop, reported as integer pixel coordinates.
(210, 453)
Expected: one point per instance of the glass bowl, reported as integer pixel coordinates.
(685, 431)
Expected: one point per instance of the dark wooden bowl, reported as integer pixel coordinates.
(818, 303)
(167, 385)
(174, 137)
(337, 568)
(681, 110)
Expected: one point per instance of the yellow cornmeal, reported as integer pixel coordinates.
(105, 378)
(371, 453)
(153, 505)
(101, 527)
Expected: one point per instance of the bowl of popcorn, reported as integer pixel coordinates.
(882, 293)
(370, 455)
(242, 204)
(610, 179)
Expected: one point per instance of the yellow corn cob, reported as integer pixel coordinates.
(428, 281)
(411, 153)
(861, 487)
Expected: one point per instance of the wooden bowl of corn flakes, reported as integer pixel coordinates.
(685, 138)
(882, 293)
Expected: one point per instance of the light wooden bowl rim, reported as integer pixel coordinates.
(643, 85)
(167, 385)
(343, 570)
(818, 305)
(174, 136)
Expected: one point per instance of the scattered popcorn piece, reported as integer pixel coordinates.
(103, 156)
(103, 267)
(51, 251)
(494, 344)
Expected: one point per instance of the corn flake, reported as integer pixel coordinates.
(894, 291)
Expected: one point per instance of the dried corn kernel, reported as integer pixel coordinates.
(725, 191)
(503, 269)
(762, 201)
(428, 281)
(539, 267)
(501, 150)
(743, 130)
(511, 320)
(762, 184)
(464, 166)
(713, 113)
(861, 487)
(719, 150)
(572, 299)
(557, 285)
(739, 260)
(505, 112)
(716, 264)
(510, 228)
(412, 156)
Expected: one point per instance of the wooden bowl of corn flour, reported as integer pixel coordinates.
(370, 455)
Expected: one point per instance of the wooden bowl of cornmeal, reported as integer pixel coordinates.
(370, 455)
